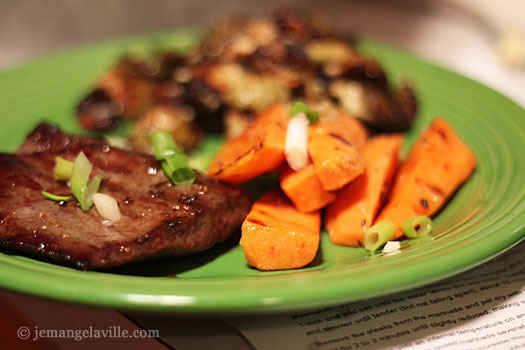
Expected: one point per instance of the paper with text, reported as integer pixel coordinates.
(480, 309)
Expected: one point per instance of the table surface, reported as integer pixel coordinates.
(461, 35)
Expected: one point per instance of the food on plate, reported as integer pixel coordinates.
(304, 188)
(291, 96)
(439, 162)
(124, 91)
(336, 161)
(353, 178)
(172, 118)
(340, 125)
(357, 204)
(378, 235)
(158, 218)
(277, 236)
(242, 67)
(417, 227)
(258, 150)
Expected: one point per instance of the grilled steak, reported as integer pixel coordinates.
(159, 219)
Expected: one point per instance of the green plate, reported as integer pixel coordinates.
(485, 217)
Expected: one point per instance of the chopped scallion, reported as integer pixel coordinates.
(164, 145)
(79, 180)
(86, 200)
(116, 141)
(107, 207)
(55, 197)
(296, 142)
(300, 106)
(378, 235)
(391, 246)
(63, 169)
(173, 161)
(417, 227)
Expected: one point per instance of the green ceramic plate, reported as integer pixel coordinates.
(484, 218)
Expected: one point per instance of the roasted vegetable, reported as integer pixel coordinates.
(380, 107)
(342, 126)
(124, 91)
(177, 120)
(99, 112)
(304, 189)
(235, 122)
(258, 150)
(439, 162)
(246, 65)
(336, 161)
(276, 236)
(358, 203)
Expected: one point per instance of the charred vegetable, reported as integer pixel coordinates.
(242, 67)
(172, 118)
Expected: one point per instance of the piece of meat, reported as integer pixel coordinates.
(159, 219)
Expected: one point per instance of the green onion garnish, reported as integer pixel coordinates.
(173, 161)
(79, 180)
(417, 227)
(77, 173)
(300, 106)
(54, 197)
(87, 195)
(63, 169)
(378, 235)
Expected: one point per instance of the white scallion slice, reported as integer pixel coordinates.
(107, 207)
(296, 145)
(391, 246)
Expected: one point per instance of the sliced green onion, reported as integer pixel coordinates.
(86, 199)
(173, 161)
(77, 173)
(164, 145)
(63, 169)
(378, 235)
(417, 227)
(177, 174)
(300, 106)
(55, 197)
(79, 181)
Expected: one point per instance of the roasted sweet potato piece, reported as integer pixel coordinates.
(336, 161)
(357, 204)
(438, 163)
(344, 126)
(258, 150)
(277, 236)
(304, 189)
